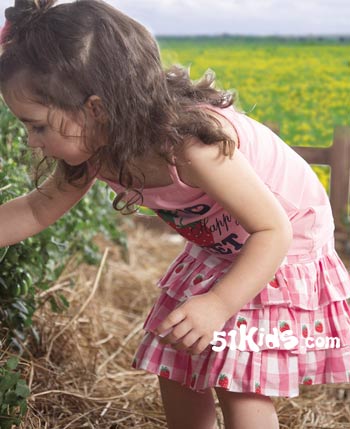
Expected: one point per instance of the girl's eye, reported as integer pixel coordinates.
(38, 130)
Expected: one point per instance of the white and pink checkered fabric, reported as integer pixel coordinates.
(308, 296)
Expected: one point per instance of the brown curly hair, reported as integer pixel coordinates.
(68, 52)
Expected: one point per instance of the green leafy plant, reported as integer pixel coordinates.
(13, 394)
(33, 264)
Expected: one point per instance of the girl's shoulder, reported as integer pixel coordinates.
(193, 144)
(194, 148)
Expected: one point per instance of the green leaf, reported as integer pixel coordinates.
(23, 407)
(35, 334)
(3, 252)
(8, 381)
(54, 306)
(10, 398)
(64, 300)
(6, 424)
(142, 210)
(22, 389)
(12, 363)
(19, 305)
(3, 284)
(16, 345)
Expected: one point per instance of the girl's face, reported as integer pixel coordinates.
(68, 146)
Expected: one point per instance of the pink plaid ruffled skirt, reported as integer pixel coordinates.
(295, 331)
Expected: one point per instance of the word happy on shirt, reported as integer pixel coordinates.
(215, 234)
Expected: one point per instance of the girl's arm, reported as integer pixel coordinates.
(29, 214)
(237, 188)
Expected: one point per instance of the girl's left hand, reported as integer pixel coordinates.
(194, 322)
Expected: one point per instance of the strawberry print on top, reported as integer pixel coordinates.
(214, 234)
(196, 232)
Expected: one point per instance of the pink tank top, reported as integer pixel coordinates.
(292, 181)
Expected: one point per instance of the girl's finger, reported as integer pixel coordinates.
(187, 342)
(199, 346)
(173, 319)
(177, 333)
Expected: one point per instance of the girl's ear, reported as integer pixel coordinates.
(95, 109)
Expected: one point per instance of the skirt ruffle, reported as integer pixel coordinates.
(308, 281)
(295, 331)
(268, 372)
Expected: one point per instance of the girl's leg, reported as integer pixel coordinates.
(186, 409)
(247, 410)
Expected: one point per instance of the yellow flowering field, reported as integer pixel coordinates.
(302, 86)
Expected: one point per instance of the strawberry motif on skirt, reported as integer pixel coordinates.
(318, 326)
(199, 278)
(284, 326)
(223, 381)
(164, 371)
(241, 321)
(179, 268)
(274, 283)
(307, 380)
(305, 332)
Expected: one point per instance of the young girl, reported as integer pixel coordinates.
(247, 307)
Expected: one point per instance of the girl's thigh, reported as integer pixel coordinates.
(185, 408)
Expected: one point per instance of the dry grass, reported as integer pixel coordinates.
(80, 374)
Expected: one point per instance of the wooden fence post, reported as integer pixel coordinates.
(340, 182)
(337, 157)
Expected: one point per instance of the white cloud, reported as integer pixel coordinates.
(237, 16)
(241, 16)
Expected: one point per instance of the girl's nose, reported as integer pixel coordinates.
(33, 142)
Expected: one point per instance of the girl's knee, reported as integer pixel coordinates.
(247, 410)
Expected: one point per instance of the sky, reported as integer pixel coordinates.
(243, 17)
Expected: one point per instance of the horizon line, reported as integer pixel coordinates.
(224, 34)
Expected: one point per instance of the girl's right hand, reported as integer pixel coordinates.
(193, 323)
